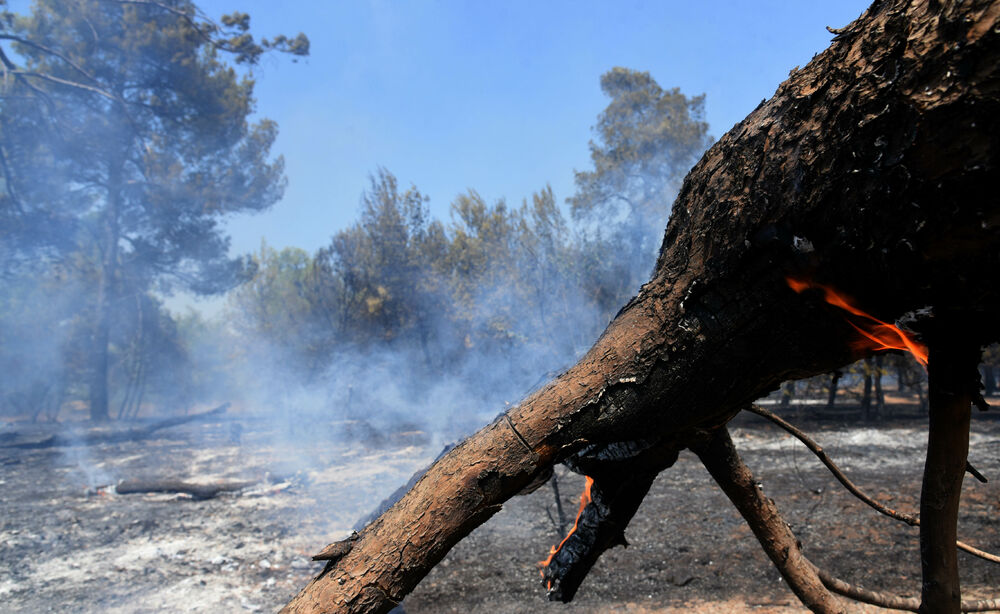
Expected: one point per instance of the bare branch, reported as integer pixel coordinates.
(68, 83)
(894, 602)
(882, 600)
(834, 469)
(722, 460)
(48, 51)
(913, 521)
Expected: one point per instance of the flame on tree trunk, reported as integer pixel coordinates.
(872, 170)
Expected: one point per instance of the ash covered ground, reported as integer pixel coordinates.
(65, 548)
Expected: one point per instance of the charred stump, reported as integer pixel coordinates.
(872, 170)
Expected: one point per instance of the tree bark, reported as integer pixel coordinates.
(723, 462)
(831, 397)
(952, 378)
(866, 394)
(879, 394)
(106, 288)
(873, 170)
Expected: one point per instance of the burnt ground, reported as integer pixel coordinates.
(65, 548)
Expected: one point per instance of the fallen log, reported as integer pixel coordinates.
(106, 437)
(872, 170)
(196, 490)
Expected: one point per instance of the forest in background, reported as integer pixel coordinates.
(126, 138)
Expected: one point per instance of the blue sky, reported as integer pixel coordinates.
(494, 96)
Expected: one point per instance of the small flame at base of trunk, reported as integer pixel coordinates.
(584, 500)
(876, 335)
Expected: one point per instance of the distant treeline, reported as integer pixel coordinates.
(492, 300)
(126, 139)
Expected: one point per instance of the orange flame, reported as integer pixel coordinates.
(876, 335)
(584, 500)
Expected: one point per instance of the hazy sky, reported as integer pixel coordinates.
(498, 96)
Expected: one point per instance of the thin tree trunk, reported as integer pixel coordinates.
(787, 392)
(950, 370)
(989, 380)
(106, 287)
(832, 392)
(866, 395)
(879, 394)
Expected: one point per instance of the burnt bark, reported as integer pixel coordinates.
(723, 462)
(952, 383)
(872, 170)
(620, 476)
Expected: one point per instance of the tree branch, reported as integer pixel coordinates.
(722, 460)
(48, 51)
(851, 487)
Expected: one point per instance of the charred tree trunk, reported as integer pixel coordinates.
(879, 394)
(873, 170)
(866, 393)
(831, 398)
(951, 374)
(989, 380)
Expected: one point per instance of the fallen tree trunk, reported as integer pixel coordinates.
(105, 437)
(872, 170)
(196, 490)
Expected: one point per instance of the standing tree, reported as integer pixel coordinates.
(647, 139)
(128, 121)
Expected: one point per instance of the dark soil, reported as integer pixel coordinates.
(64, 548)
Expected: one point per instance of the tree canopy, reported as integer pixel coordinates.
(647, 138)
(125, 135)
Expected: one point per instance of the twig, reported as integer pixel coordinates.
(975, 473)
(980, 402)
(913, 521)
(834, 469)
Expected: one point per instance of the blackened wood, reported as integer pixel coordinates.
(953, 361)
(196, 490)
(622, 473)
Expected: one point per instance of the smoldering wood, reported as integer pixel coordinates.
(106, 437)
(873, 170)
(622, 474)
(199, 490)
(174, 486)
